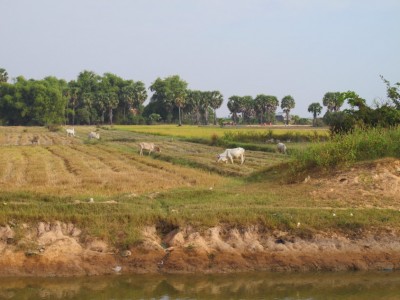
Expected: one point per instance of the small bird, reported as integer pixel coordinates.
(298, 224)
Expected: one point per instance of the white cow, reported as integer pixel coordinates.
(70, 131)
(281, 148)
(93, 135)
(148, 146)
(231, 154)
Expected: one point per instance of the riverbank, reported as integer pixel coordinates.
(60, 249)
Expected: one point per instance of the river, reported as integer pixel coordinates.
(285, 286)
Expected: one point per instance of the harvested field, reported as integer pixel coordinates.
(67, 166)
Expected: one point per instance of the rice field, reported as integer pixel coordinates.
(205, 132)
(79, 167)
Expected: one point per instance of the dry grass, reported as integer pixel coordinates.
(68, 167)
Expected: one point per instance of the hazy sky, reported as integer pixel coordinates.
(302, 48)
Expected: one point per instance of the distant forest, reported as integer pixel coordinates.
(92, 99)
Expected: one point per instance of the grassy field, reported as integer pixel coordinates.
(182, 185)
(206, 132)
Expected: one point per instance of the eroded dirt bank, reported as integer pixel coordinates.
(57, 249)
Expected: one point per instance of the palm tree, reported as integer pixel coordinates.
(315, 109)
(260, 105)
(272, 105)
(333, 101)
(193, 101)
(216, 102)
(133, 94)
(287, 104)
(234, 106)
(72, 94)
(205, 97)
(247, 108)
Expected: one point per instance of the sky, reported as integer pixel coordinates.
(302, 48)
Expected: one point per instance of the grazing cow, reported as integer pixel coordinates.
(231, 154)
(70, 131)
(93, 135)
(281, 148)
(148, 146)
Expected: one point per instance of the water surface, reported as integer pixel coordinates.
(354, 286)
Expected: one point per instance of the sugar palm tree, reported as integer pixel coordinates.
(216, 100)
(315, 109)
(287, 104)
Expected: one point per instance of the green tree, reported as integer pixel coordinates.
(133, 95)
(72, 95)
(88, 84)
(235, 107)
(176, 92)
(3, 75)
(216, 100)
(260, 106)
(333, 101)
(393, 92)
(272, 105)
(193, 104)
(287, 104)
(110, 87)
(247, 108)
(315, 108)
(170, 91)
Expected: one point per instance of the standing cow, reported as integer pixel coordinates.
(70, 131)
(149, 147)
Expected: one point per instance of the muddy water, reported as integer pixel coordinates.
(354, 286)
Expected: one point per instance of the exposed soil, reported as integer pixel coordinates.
(378, 180)
(57, 250)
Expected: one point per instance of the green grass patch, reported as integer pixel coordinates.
(344, 150)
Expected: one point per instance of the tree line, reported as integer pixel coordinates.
(93, 99)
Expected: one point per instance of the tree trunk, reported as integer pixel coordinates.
(179, 112)
(110, 114)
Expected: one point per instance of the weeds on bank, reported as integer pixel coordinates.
(344, 150)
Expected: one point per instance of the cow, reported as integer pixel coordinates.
(149, 147)
(281, 148)
(231, 154)
(93, 135)
(70, 131)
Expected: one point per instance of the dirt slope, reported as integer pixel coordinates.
(57, 249)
